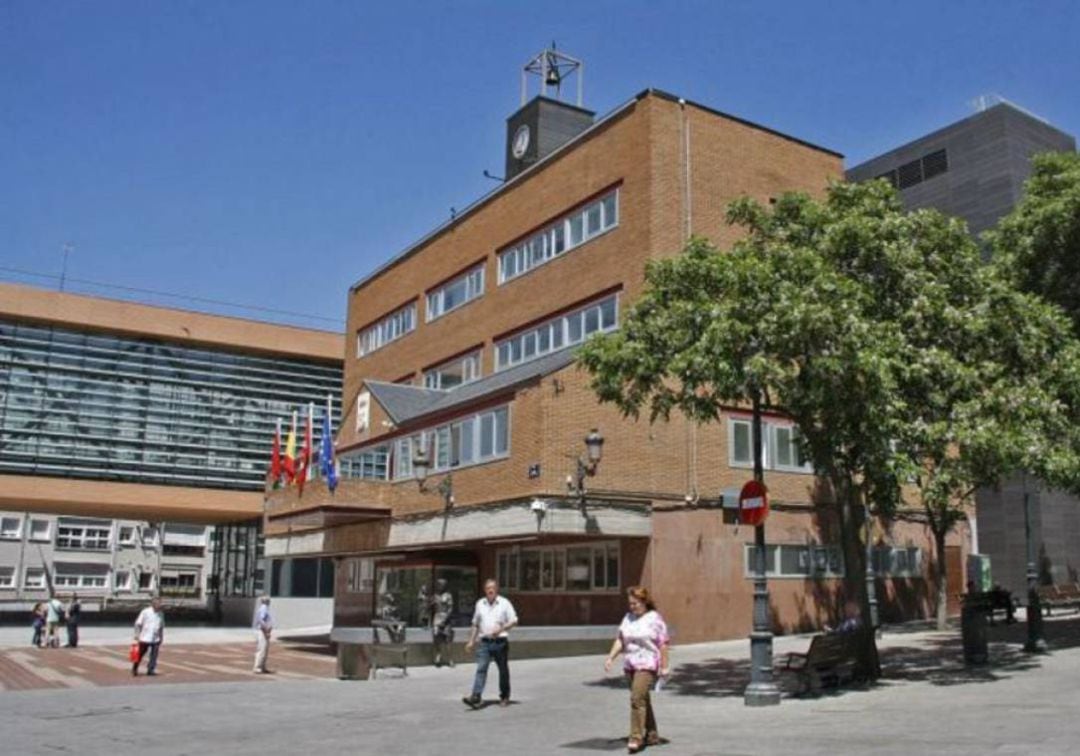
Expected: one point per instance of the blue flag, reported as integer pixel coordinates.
(327, 463)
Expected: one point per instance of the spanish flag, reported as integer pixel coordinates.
(289, 462)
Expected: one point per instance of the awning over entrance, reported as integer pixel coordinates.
(484, 524)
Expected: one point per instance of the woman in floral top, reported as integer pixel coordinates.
(643, 641)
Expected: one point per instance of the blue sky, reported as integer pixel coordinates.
(271, 153)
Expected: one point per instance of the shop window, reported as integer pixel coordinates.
(579, 568)
(797, 561)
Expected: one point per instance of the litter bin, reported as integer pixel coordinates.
(352, 662)
(973, 629)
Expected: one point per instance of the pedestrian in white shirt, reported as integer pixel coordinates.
(492, 621)
(149, 632)
(263, 625)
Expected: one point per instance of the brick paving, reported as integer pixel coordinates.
(106, 666)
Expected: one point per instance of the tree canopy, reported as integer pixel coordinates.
(904, 360)
(1038, 244)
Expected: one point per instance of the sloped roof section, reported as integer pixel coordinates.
(402, 402)
(405, 404)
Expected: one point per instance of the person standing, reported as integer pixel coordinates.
(54, 614)
(643, 641)
(442, 632)
(38, 624)
(492, 621)
(263, 625)
(149, 632)
(74, 609)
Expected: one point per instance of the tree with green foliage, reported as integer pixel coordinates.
(876, 330)
(1038, 244)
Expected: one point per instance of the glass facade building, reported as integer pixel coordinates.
(143, 410)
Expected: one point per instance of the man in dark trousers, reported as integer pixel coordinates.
(74, 610)
(492, 621)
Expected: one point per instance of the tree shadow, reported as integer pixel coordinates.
(938, 660)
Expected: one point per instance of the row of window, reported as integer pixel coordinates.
(561, 236)
(780, 446)
(454, 373)
(817, 561)
(391, 328)
(468, 441)
(454, 294)
(581, 568)
(123, 580)
(82, 536)
(553, 335)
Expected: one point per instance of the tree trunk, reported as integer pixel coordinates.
(940, 578)
(851, 528)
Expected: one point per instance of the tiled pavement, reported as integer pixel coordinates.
(95, 666)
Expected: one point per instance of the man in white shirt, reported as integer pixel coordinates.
(492, 621)
(149, 632)
(263, 625)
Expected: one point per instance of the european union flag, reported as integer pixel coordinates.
(327, 462)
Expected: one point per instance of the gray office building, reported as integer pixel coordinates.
(975, 169)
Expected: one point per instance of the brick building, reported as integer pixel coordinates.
(463, 349)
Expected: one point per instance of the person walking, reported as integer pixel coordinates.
(492, 621)
(149, 632)
(74, 609)
(643, 641)
(38, 624)
(263, 625)
(442, 632)
(54, 615)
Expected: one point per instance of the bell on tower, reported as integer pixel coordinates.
(545, 123)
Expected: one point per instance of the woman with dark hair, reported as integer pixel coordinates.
(643, 641)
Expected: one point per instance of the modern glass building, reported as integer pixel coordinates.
(138, 409)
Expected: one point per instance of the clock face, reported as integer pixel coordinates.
(521, 141)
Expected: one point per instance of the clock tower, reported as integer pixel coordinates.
(544, 123)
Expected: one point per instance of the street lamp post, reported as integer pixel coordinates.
(871, 581)
(1036, 644)
(761, 691)
(421, 464)
(594, 451)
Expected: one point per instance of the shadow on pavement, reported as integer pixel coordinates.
(937, 660)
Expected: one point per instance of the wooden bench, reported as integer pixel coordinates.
(1065, 595)
(388, 648)
(830, 660)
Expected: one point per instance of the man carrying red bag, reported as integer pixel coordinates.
(149, 632)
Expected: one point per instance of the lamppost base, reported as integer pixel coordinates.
(761, 694)
(1037, 646)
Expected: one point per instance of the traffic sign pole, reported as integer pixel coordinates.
(762, 690)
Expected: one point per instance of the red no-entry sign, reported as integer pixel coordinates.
(753, 503)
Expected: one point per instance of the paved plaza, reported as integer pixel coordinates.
(205, 702)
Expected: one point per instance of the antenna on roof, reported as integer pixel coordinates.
(986, 101)
(552, 67)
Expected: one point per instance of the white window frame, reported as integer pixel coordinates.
(770, 444)
(556, 333)
(124, 585)
(37, 572)
(150, 537)
(557, 238)
(473, 281)
(386, 330)
(821, 566)
(353, 464)
(98, 581)
(132, 541)
(79, 537)
(471, 370)
(7, 578)
(885, 558)
(438, 443)
(41, 537)
(8, 533)
(150, 583)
